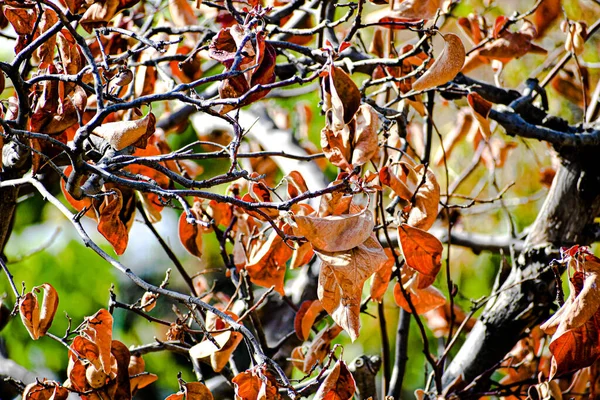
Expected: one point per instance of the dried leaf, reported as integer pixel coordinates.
(445, 67)
(98, 14)
(256, 383)
(423, 300)
(342, 97)
(190, 234)
(339, 384)
(320, 346)
(305, 318)
(30, 314)
(267, 264)
(228, 342)
(182, 13)
(49, 307)
(382, 276)
(335, 232)
(122, 134)
(481, 110)
(110, 224)
(341, 281)
(546, 13)
(460, 129)
(98, 329)
(422, 252)
(575, 342)
(47, 390)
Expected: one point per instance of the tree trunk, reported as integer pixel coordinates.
(527, 295)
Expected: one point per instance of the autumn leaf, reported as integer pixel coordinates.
(481, 110)
(339, 384)
(98, 329)
(122, 134)
(256, 383)
(423, 300)
(267, 262)
(574, 328)
(227, 342)
(460, 129)
(422, 252)
(445, 67)
(98, 14)
(546, 13)
(418, 183)
(38, 320)
(382, 276)
(342, 97)
(341, 280)
(319, 347)
(305, 318)
(46, 390)
(110, 224)
(190, 234)
(182, 13)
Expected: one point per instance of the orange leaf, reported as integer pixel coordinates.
(47, 390)
(423, 300)
(382, 276)
(422, 252)
(481, 109)
(256, 383)
(99, 14)
(445, 67)
(341, 281)
(98, 329)
(110, 224)
(190, 234)
(30, 314)
(49, 306)
(342, 97)
(305, 318)
(122, 134)
(267, 264)
(336, 232)
(339, 384)
(228, 341)
(320, 346)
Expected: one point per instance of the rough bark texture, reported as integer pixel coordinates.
(528, 293)
(8, 203)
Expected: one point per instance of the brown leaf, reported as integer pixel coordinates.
(336, 232)
(418, 9)
(341, 280)
(320, 346)
(575, 342)
(445, 67)
(423, 300)
(190, 234)
(305, 318)
(256, 383)
(228, 341)
(110, 223)
(30, 314)
(342, 97)
(46, 51)
(49, 306)
(382, 276)
(365, 145)
(267, 263)
(22, 19)
(182, 13)
(422, 252)
(481, 110)
(122, 386)
(546, 13)
(408, 182)
(122, 134)
(339, 384)
(99, 14)
(98, 329)
(47, 390)
(439, 319)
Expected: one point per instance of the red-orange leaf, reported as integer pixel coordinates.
(422, 252)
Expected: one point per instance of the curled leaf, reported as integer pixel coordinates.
(126, 133)
(445, 67)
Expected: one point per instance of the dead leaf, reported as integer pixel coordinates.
(342, 97)
(110, 225)
(36, 321)
(423, 300)
(46, 390)
(267, 263)
(575, 342)
(481, 110)
(122, 134)
(190, 234)
(305, 318)
(341, 280)
(335, 232)
(422, 252)
(320, 346)
(546, 13)
(256, 383)
(445, 67)
(382, 276)
(339, 384)
(99, 14)
(98, 329)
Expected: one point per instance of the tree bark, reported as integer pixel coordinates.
(526, 297)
